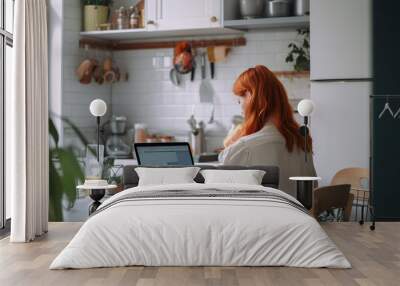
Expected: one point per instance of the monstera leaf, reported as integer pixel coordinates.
(64, 172)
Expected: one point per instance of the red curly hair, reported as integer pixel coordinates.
(268, 103)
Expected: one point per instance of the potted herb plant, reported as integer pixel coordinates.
(300, 52)
(95, 13)
(113, 174)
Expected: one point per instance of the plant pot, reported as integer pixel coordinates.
(94, 16)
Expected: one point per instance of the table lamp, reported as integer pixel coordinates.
(305, 108)
(98, 108)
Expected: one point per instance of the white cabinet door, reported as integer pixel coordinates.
(340, 35)
(340, 126)
(183, 14)
(150, 11)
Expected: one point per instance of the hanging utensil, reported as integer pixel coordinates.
(206, 92)
(174, 77)
(211, 59)
(193, 72)
(203, 65)
(211, 120)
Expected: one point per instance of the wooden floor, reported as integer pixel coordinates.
(375, 257)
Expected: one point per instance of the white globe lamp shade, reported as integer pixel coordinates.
(305, 107)
(98, 107)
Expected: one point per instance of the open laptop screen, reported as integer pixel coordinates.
(163, 154)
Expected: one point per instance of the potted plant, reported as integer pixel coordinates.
(113, 174)
(65, 172)
(95, 13)
(300, 53)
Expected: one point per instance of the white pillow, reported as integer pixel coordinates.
(248, 177)
(166, 176)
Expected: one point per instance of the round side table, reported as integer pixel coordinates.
(304, 189)
(96, 193)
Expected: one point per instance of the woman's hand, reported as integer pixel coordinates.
(233, 136)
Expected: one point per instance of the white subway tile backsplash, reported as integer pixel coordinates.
(150, 97)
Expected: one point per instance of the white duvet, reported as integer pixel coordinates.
(194, 231)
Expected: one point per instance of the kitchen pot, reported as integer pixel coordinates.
(183, 58)
(278, 8)
(251, 8)
(301, 7)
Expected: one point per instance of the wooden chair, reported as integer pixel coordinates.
(355, 177)
(333, 197)
(352, 176)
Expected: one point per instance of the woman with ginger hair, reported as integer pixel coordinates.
(269, 134)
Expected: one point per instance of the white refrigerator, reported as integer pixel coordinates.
(340, 50)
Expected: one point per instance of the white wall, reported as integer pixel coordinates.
(150, 97)
(55, 45)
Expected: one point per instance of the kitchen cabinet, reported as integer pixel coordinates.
(340, 35)
(162, 15)
(340, 39)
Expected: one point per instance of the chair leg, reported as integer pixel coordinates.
(362, 210)
(356, 218)
(372, 214)
(347, 210)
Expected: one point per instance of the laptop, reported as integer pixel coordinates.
(164, 154)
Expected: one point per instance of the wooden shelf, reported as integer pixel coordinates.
(129, 39)
(292, 73)
(269, 23)
(142, 34)
(118, 46)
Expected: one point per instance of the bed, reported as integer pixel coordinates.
(197, 224)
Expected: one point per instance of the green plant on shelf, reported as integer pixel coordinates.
(111, 172)
(299, 53)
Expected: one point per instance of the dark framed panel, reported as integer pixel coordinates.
(385, 135)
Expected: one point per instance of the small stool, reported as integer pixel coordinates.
(96, 193)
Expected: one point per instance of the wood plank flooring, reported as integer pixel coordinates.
(375, 257)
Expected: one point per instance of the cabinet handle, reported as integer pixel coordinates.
(214, 19)
(151, 22)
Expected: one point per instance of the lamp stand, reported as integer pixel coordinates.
(305, 137)
(98, 138)
(304, 131)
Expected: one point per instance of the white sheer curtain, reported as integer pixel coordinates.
(27, 123)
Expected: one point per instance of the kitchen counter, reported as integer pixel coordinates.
(127, 162)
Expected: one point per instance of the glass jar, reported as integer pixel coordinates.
(140, 133)
(134, 18)
(120, 19)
